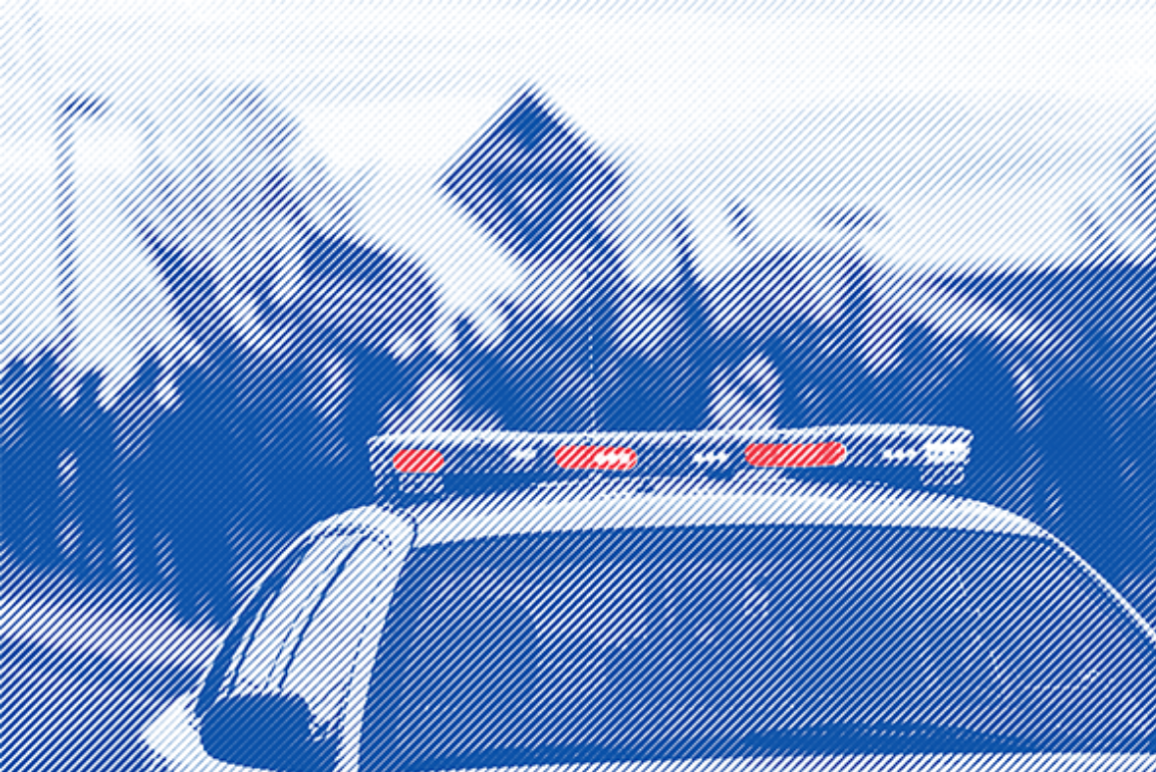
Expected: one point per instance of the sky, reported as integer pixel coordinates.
(982, 130)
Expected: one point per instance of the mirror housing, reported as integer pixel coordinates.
(269, 731)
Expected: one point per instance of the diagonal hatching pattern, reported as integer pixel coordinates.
(198, 345)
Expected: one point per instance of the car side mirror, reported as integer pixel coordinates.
(268, 731)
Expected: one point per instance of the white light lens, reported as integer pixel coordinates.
(710, 458)
(943, 453)
(900, 456)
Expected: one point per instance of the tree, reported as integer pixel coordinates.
(232, 220)
(277, 297)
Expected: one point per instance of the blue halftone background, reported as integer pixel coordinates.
(241, 239)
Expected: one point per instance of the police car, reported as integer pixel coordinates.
(673, 601)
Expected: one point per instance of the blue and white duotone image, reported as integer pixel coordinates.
(551, 386)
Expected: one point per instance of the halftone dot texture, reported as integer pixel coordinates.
(241, 239)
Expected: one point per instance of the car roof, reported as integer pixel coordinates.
(747, 499)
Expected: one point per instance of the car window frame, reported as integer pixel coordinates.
(257, 605)
(384, 546)
(210, 687)
(398, 533)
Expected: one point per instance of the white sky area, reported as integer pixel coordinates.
(979, 131)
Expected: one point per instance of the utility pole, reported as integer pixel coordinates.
(851, 223)
(698, 354)
(72, 109)
(853, 391)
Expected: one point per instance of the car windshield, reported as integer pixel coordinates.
(729, 642)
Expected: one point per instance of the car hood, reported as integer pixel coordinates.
(173, 740)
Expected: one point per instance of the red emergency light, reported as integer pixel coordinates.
(802, 455)
(594, 457)
(418, 461)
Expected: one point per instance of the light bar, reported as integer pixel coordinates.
(940, 452)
